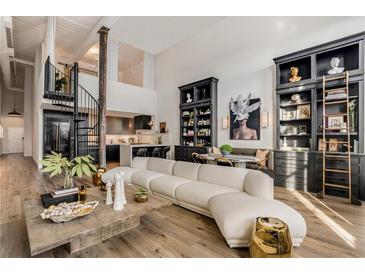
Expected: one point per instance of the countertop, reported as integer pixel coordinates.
(145, 145)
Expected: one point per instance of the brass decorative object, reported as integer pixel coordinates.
(141, 196)
(294, 75)
(271, 239)
(97, 177)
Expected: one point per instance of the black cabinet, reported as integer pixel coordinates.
(198, 112)
(183, 153)
(142, 122)
(112, 153)
(303, 170)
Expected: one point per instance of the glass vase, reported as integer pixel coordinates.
(68, 182)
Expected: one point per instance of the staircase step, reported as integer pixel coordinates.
(77, 120)
(58, 96)
(63, 105)
(85, 127)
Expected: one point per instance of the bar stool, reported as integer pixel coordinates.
(156, 152)
(165, 150)
(142, 152)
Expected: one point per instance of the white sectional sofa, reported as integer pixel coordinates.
(234, 197)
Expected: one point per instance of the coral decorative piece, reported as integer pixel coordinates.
(66, 212)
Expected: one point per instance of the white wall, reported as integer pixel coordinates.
(122, 97)
(239, 51)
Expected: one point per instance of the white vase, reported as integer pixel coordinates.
(109, 197)
(119, 191)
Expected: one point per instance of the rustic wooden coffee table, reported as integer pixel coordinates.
(83, 232)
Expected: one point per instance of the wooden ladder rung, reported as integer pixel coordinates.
(337, 156)
(336, 186)
(335, 89)
(334, 78)
(335, 102)
(336, 170)
(335, 114)
(335, 128)
(338, 142)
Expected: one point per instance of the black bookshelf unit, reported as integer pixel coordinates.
(198, 115)
(298, 158)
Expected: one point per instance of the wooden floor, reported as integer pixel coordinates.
(334, 229)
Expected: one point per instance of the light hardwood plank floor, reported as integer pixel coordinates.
(335, 229)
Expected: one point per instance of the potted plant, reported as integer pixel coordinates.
(59, 82)
(141, 195)
(226, 149)
(56, 164)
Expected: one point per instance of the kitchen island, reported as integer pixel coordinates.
(128, 151)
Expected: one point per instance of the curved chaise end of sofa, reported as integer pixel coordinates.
(259, 185)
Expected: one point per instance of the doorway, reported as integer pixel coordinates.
(16, 139)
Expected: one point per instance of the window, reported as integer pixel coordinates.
(130, 65)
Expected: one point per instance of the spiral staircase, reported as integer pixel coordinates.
(67, 95)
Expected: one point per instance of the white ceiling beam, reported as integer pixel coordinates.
(79, 49)
(22, 61)
(15, 89)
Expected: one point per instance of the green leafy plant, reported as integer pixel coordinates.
(226, 148)
(141, 192)
(59, 82)
(57, 164)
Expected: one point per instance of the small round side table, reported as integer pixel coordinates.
(270, 239)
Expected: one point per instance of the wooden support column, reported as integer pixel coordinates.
(103, 59)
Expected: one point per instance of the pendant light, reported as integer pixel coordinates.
(14, 113)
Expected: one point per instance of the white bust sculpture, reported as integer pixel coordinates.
(335, 62)
(188, 96)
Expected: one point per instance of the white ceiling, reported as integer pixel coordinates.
(72, 31)
(29, 33)
(154, 34)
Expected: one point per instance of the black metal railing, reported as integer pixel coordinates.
(69, 96)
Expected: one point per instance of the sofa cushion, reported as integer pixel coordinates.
(160, 165)
(140, 162)
(166, 185)
(109, 175)
(186, 170)
(259, 184)
(143, 177)
(235, 214)
(231, 177)
(198, 194)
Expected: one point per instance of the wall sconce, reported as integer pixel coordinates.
(264, 119)
(1, 131)
(225, 122)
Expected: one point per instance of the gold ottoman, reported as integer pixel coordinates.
(270, 239)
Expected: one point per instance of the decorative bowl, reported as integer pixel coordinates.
(66, 212)
(141, 198)
(225, 152)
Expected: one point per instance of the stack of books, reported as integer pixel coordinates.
(336, 94)
(60, 196)
(64, 192)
